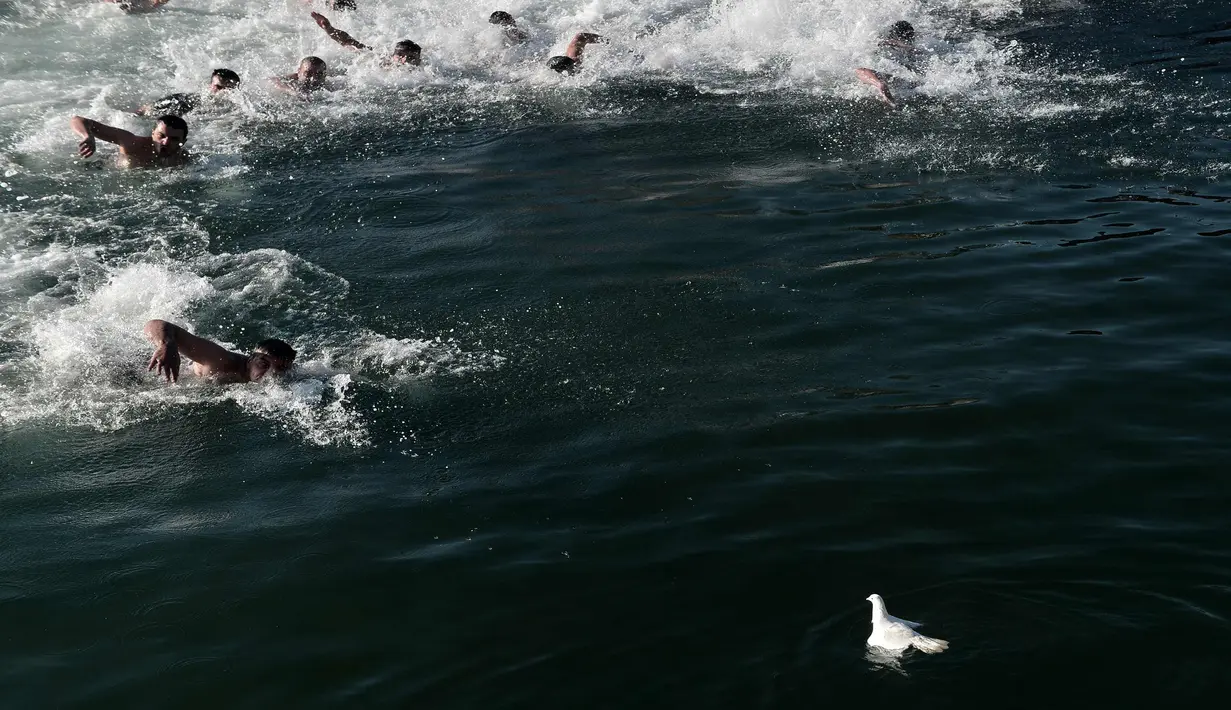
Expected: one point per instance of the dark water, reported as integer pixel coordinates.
(698, 373)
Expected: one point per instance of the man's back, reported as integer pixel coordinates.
(175, 104)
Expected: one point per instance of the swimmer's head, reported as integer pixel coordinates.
(169, 134)
(341, 4)
(311, 72)
(500, 17)
(223, 79)
(902, 31)
(270, 357)
(407, 52)
(562, 64)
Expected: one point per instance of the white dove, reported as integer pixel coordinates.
(894, 634)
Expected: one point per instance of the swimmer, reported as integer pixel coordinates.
(900, 44)
(164, 147)
(133, 7)
(570, 61)
(512, 33)
(180, 104)
(209, 359)
(308, 78)
(404, 52)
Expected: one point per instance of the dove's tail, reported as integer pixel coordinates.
(929, 645)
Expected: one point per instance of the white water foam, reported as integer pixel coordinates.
(87, 256)
(80, 353)
(798, 51)
(408, 359)
(733, 45)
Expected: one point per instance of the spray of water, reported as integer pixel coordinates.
(80, 275)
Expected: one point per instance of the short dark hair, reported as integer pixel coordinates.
(226, 75)
(276, 348)
(406, 48)
(500, 17)
(562, 64)
(902, 30)
(313, 61)
(175, 122)
(342, 5)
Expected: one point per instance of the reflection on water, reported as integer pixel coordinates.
(885, 659)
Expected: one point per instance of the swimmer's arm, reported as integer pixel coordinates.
(336, 34)
(171, 341)
(870, 77)
(578, 44)
(89, 129)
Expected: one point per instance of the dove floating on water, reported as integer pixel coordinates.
(894, 634)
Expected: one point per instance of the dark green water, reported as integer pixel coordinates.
(628, 393)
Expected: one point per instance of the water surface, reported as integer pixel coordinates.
(623, 389)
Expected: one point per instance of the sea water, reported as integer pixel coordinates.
(623, 388)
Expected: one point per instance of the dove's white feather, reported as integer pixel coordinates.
(894, 634)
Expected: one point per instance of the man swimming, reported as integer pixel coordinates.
(180, 104)
(508, 26)
(404, 52)
(209, 359)
(308, 78)
(570, 61)
(164, 147)
(899, 43)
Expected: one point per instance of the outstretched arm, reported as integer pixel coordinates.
(578, 44)
(336, 34)
(868, 76)
(171, 341)
(89, 129)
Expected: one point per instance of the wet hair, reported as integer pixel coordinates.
(903, 31)
(276, 348)
(175, 122)
(227, 76)
(314, 62)
(562, 64)
(500, 17)
(342, 5)
(406, 48)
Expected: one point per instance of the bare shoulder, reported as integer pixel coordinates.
(228, 372)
